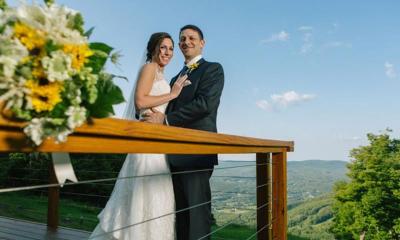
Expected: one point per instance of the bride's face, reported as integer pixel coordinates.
(166, 52)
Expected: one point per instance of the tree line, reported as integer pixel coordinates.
(368, 205)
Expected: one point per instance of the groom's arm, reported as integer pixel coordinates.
(206, 99)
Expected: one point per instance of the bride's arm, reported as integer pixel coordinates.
(144, 84)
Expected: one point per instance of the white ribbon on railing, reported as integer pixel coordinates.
(63, 167)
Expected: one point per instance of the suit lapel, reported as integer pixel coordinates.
(171, 105)
(201, 61)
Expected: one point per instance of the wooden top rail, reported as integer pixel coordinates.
(113, 135)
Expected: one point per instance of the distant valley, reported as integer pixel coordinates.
(309, 186)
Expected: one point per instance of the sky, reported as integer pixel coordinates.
(320, 73)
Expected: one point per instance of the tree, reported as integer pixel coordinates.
(369, 204)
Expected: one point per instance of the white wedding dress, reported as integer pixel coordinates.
(135, 200)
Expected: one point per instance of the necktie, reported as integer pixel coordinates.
(184, 71)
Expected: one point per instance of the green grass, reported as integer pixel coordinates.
(34, 208)
(240, 232)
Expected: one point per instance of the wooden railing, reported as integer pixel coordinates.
(121, 136)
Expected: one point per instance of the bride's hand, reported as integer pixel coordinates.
(178, 85)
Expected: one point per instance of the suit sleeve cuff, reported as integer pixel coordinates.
(166, 120)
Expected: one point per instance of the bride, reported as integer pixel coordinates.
(136, 200)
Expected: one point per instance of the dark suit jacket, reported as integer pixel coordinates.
(196, 108)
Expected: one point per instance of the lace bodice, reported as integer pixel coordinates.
(160, 86)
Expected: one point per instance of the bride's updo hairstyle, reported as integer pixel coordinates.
(153, 45)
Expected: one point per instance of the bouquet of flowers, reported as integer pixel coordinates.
(50, 75)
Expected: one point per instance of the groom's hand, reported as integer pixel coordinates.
(154, 116)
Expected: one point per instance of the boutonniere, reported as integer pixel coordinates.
(192, 67)
(189, 70)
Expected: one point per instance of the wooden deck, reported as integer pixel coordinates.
(13, 229)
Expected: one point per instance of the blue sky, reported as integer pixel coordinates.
(321, 73)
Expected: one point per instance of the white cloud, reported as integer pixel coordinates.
(390, 70)
(284, 100)
(337, 44)
(290, 98)
(282, 36)
(307, 43)
(305, 28)
(264, 105)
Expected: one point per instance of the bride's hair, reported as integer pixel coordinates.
(153, 45)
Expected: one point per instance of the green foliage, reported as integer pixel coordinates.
(108, 95)
(25, 206)
(89, 32)
(312, 178)
(20, 169)
(309, 186)
(99, 58)
(50, 46)
(49, 2)
(3, 4)
(21, 113)
(370, 202)
(78, 23)
(312, 219)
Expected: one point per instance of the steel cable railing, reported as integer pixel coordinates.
(4, 190)
(100, 181)
(178, 211)
(221, 227)
(119, 137)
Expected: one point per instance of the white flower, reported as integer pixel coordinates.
(74, 96)
(15, 91)
(37, 133)
(12, 48)
(62, 136)
(35, 130)
(31, 15)
(11, 52)
(59, 25)
(58, 66)
(76, 116)
(6, 15)
(7, 66)
(55, 20)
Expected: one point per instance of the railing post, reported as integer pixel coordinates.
(279, 195)
(53, 200)
(263, 196)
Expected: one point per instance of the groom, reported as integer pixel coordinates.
(196, 108)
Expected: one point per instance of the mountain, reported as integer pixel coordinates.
(312, 178)
(312, 218)
(309, 186)
(306, 179)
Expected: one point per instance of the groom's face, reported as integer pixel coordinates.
(190, 43)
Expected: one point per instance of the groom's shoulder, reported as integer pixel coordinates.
(213, 65)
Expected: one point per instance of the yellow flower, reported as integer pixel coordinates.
(44, 97)
(38, 72)
(29, 37)
(193, 67)
(79, 54)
